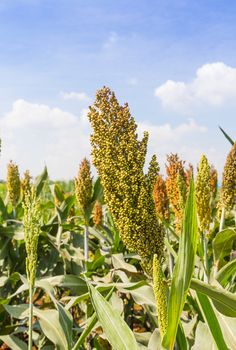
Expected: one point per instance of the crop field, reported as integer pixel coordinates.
(128, 259)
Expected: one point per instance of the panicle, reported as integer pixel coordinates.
(176, 187)
(189, 174)
(13, 183)
(228, 188)
(26, 183)
(203, 194)
(97, 213)
(119, 158)
(160, 292)
(161, 199)
(31, 222)
(213, 181)
(84, 184)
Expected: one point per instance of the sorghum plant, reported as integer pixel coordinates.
(13, 183)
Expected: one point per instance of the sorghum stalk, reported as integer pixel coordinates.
(31, 222)
(119, 158)
(83, 191)
(160, 290)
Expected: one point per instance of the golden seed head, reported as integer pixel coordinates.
(13, 183)
(84, 184)
(228, 188)
(26, 183)
(203, 194)
(97, 213)
(161, 199)
(31, 222)
(119, 158)
(160, 291)
(176, 187)
(213, 181)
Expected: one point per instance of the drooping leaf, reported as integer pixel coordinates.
(40, 181)
(13, 342)
(226, 272)
(224, 301)
(222, 245)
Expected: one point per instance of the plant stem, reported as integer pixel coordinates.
(86, 234)
(171, 258)
(206, 271)
(222, 219)
(30, 343)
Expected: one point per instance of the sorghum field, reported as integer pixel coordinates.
(128, 260)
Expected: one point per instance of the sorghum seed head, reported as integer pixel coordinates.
(228, 188)
(119, 158)
(84, 184)
(31, 222)
(97, 213)
(13, 183)
(176, 187)
(203, 194)
(160, 291)
(161, 199)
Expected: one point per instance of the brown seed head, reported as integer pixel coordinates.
(176, 187)
(161, 199)
(97, 213)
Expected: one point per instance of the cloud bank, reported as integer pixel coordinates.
(214, 85)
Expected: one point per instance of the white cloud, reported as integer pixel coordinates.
(214, 85)
(80, 96)
(36, 134)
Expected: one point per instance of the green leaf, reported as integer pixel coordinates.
(227, 136)
(226, 272)
(13, 342)
(224, 301)
(203, 338)
(40, 181)
(117, 331)
(211, 320)
(222, 245)
(49, 321)
(183, 269)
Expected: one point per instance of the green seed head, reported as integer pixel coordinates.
(203, 194)
(84, 184)
(160, 291)
(13, 183)
(31, 222)
(119, 158)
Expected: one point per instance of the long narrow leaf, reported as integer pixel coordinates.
(211, 321)
(224, 301)
(117, 331)
(227, 136)
(183, 269)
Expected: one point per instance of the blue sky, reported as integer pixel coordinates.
(54, 55)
